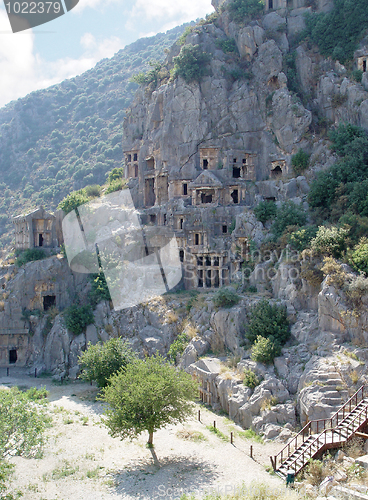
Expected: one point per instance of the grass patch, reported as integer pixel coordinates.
(218, 433)
(65, 470)
(250, 434)
(190, 435)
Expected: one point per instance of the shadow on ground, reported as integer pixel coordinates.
(174, 476)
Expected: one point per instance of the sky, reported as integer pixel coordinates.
(75, 42)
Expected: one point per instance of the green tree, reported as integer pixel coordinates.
(148, 395)
(359, 257)
(77, 318)
(264, 350)
(73, 201)
(190, 63)
(240, 10)
(300, 161)
(99, 362)
(265, 210)
(23, 421)
(268, 320)
(289, 214)
(330, 241)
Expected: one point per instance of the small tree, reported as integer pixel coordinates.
(190, 63)
(148, 395)
(268, 320)
(300, 161)
(265, 210)
(77, 318)
(264, 350)
(23, 420)
(225, 298)
(101, 361)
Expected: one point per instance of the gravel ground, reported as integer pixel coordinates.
(82, 462)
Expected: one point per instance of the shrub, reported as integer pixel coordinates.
(337, 32)
(334, 271)
(356, 289)
(264, 350)
(225, 297)
(152, 76)
(29, 255)
(100, 290)
(265, 210)
(301, 238)
(227, 45)
(115, 174)
(330, 241)
(300, 161)
(72, 201)
(99, 362)
(315, 473)
(77, 318)
(357, 75)
(359, 257)
(240, 10)
(92, 191)
(268, 320)
(178, 346)
(289, 214)
(250, 379)
(190, 63)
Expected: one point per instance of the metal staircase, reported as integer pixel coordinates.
(318, 436)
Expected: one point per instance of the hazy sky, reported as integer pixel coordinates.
(73, 43)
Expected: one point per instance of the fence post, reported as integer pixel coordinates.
(7, 372)
(35, 372)
(214, 424)
(231, 437)
(199, 415)
(251, 451)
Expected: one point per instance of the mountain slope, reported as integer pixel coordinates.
(69, 135)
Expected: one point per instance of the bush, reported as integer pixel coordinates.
(228, 45)
(100, 290)
(178, 346)
(334, 271)
(77, 318)
(356, 289)
(225, 298)
(241, 10)
(115, 174)
(190, 63)
(72, 201)
(289, 214)
(92, 191)
(300, 161)
(29, 255)
(152, 76)
(250, 379)
(264, 350)
(265, 210)
(99, 362)
(268, 320)
(330, 241)
(337, 32)
(359, 257)
(115, 185)
(357, 74)
(301, 239)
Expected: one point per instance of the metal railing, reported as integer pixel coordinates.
(316, 426)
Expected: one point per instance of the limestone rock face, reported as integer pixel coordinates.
(228, 325)
(268, 63)
(248, 39)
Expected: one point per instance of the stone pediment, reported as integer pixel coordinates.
(206, 179)
(39, 213)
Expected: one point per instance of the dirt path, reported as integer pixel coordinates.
(82, 462)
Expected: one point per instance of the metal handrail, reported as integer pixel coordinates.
(333, 432)
(308, 427)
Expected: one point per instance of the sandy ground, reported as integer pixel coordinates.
(82, 462)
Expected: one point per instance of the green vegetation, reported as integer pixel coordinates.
(99, 362)
(28, 255)
(300, 239)
(77, 318)
(300, 161)
(264, 350)
(337, 32)
(225, 297)
(265, 210)
(250, 379)
(227, 45)
(151, 77)
(330, 241)
(73, 201)
(242, 10)
(289, 214)
(178, 346)
(190, 63)
(217, 432)
(268, 330)
(359, 257)
(99, 290)
(70, 133)
(23, 421)
(147, 396)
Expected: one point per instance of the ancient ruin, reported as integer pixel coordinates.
(38, 229)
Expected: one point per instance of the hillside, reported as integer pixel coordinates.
(69, 133)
